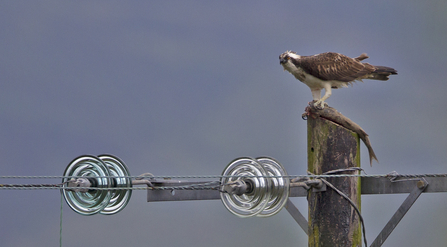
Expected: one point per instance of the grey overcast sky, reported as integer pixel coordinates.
(185, 87)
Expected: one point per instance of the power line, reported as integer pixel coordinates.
(389, 175)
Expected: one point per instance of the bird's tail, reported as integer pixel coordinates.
(381, 73)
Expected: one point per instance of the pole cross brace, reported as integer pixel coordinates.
(392, 223)
(297, 216)
(403, 209)
(317, 186)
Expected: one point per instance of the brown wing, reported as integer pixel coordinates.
(334, 66)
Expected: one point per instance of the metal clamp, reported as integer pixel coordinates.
(83, 183)
(315, 184)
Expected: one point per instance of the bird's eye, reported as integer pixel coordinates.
(288, 58)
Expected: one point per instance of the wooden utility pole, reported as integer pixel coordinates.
(332, 220)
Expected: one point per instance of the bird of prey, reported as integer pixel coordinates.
(331, 70)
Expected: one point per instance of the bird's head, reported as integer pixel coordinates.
(286, 56)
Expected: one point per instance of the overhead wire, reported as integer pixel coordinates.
(392, 174)
(199, 185)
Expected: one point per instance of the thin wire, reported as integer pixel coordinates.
(60, 223)
(393, 176)
(186, 187)
(213, 185)
(231, 176)
(352, 204)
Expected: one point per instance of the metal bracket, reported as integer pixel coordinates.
(317, 186)
(403, 209)
(154, 195)
(83, 183)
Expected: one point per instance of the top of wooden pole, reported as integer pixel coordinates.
(336, 117)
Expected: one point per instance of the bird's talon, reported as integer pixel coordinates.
(319, 105)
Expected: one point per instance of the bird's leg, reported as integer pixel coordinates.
(316, 94)
(327, 93)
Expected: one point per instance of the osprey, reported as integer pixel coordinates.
(331, 70)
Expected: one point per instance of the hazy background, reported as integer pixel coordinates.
(185, 87)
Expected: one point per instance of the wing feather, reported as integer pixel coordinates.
(334, 66)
